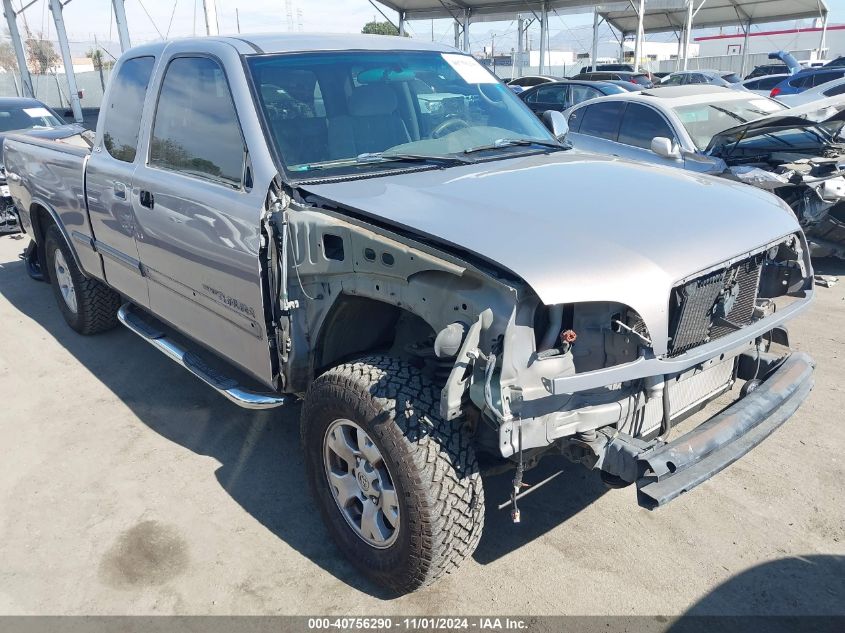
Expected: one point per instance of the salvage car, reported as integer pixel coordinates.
(419, 283)
(32, 116)
(791, 152)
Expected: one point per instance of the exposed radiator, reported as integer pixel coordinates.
(693, 388)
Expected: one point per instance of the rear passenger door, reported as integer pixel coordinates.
(198, 197)
(109, 178)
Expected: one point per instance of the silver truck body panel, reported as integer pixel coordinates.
(515, 213)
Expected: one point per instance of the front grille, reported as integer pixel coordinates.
(713, 305)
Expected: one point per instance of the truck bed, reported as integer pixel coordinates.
(49, 175)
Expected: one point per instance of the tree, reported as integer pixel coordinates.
(40, 54)
(96, 57)
(8, 61)
(380, 28)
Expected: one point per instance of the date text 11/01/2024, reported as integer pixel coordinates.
(415, 624)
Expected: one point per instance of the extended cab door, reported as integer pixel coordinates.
(109, 177)
(198, 197)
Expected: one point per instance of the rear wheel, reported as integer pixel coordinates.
(88, 305)
(398, 487)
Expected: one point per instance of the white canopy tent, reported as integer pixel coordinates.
(681, 16)
(629, 17)
(463, 12)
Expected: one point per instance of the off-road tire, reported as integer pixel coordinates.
(97, 304)
(431, 461)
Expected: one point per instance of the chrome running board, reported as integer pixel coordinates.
(224, 385)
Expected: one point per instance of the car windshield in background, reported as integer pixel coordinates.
(704, 120)
(27, 118)
(358, 112)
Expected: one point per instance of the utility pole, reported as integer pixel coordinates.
(17, 44)
(122, 29)
(56, 10)
(211, 26)
(238, 19)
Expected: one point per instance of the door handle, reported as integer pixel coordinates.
(120, 190)
(146, 199)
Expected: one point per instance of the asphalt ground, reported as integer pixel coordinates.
(128, 487)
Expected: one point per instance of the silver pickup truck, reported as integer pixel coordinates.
(379, 228)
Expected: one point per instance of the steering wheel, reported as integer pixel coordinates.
(447, 125)
(496, 103)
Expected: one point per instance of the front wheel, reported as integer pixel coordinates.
(88, 305)
(397, 486)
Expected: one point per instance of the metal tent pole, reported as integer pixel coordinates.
(744, 64)
(687, 32)
(211, 25)
(56, 10)
(457, 34)
(520, 46)
(466, 30)
(822, 42)
(544, 26)
(402, 23)
(17, 44)
(122, 28)
(594, 52)
(638, 46)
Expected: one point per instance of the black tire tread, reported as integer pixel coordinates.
(447, 494)
(97, 304)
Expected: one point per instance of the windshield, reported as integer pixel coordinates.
(704, 120)
(350, 112)
(26, 117)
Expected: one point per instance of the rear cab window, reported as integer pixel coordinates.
(196, 130)
(122, 123)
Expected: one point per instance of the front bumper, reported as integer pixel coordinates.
(666, 471)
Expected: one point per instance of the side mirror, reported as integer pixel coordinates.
(665, 148)
(556, 123)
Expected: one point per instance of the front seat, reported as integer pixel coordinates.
(372, 124)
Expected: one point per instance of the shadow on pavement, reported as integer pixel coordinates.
(261, 465)
(804, 593)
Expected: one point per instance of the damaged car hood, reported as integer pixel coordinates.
(575, 226)
(823, 112)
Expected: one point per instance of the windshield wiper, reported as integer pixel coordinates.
(511, 142)
(381, 157)
(733, 115)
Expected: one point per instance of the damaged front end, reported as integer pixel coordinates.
(606, 391)
(9, 221)
(800, 157)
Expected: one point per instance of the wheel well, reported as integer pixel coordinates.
(41, 221)
(357, 325)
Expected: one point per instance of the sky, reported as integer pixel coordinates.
(90, 20)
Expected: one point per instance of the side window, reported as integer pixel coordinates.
(122, 122)
(577, 94)
(674, 80)
(531, 97)
(575, 119)
(602, 119)
(551, 94)
(802, 82)
(196, 129)
(836, 90)
(641, 124)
